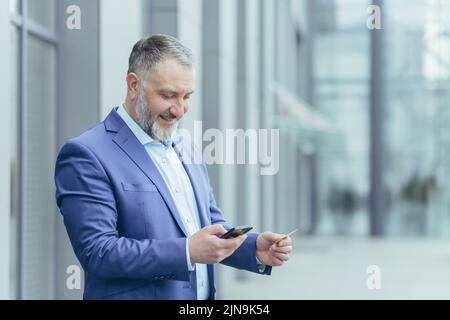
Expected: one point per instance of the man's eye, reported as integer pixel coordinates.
(187, 97)
(167, 96)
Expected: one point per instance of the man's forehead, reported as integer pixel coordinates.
(172, 68)
(175, 89)
(163, 86)
(174, 80)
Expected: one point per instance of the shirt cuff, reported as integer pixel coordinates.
(190, 266)
(261, 266)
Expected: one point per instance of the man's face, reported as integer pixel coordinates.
(165, 99)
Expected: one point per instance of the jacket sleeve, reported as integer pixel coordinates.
(85, 198)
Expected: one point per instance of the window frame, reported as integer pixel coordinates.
(26, 28)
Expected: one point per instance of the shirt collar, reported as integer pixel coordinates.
(140, 134)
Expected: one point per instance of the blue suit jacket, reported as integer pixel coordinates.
(121, 219)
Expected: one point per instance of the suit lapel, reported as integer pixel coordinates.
(127, 141)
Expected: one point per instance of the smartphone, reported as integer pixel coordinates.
(236, 231)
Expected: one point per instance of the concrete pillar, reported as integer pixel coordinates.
(219, 99)
(377, 142)
(120, 28)
(78, 109)
(267, 66)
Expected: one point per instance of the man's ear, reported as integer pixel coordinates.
(132, 86)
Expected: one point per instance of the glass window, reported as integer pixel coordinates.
(14, 6)
(14, 178)
(417, 116)
(42, 12)
(341, 91)
(39, 155)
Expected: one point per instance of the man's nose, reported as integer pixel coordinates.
(179, 109)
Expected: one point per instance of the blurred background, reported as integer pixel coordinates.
(363, 118)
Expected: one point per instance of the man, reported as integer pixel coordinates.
(140, 214)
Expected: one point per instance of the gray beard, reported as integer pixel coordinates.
(147, 121)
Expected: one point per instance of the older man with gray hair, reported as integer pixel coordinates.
(140, 214)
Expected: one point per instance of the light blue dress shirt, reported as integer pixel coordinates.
(176, 178)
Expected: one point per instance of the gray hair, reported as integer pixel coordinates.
(148, 52)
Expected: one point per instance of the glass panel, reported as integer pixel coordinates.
(341, 73)
(14, 222)
(417, 113)
(416, 117)
(43, 12)
(38, 198)
(14, 6)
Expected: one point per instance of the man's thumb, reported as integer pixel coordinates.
(272, 237)
(216, 229)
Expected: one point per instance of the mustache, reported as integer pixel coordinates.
(168, 115)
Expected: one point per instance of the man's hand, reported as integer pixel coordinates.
(206, 247)
(271, 253)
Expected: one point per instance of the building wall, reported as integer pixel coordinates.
(189, 31)
(219, 94)
(119, 30)
(267, 66)
(78, 108)
(5, 133)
